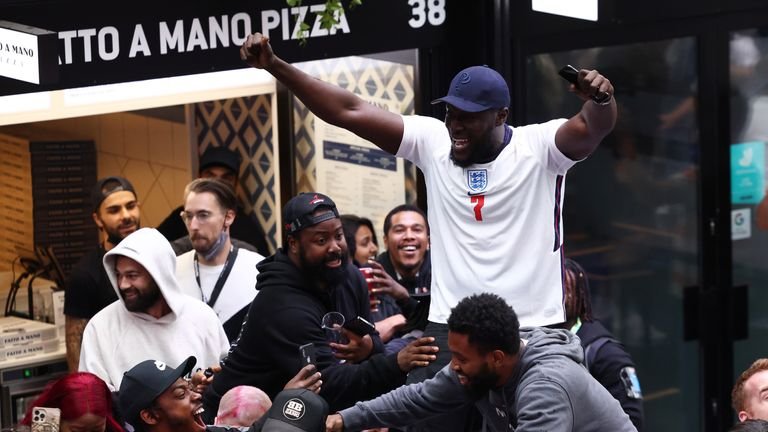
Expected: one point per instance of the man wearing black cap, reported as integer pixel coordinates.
(308, 277)
(223, 164)
(494, 192)
(116, 213)
(155, 397)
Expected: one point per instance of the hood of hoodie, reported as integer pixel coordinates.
(543, 342)
(150, 249)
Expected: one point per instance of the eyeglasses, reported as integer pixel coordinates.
(202, 216)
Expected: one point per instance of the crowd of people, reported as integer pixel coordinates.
(452, 326)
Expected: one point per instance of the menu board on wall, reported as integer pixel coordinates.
(362, 179)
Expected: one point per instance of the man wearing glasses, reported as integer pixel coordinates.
(216, 271)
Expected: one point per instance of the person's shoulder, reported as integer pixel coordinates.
(107, 316)
(186, 256)
(250, 256)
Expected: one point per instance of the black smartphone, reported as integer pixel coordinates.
(307, 354)
(570, 74)
(360, 326)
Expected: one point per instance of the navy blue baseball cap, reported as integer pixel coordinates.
(477, 88)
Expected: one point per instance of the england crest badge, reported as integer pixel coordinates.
(477, 180)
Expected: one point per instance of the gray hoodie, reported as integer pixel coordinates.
(550, 390)
(116, 339)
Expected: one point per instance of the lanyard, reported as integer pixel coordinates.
(231, 257)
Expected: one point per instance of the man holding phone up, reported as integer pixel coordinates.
(494, 192)
(310, 276)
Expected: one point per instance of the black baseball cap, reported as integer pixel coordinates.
(143, 383)
(298, 212)
(220, 156)
(106, 187)
(296, 410)
(477, 88)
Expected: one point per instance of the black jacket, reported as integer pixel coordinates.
(286, 314)
(416, 308)
(607, 365)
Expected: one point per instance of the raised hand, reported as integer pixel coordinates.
(257, 52)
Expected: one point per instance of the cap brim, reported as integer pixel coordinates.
(461, 104)
(187, 364)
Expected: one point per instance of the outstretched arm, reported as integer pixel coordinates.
(331, 103)
(581, 134)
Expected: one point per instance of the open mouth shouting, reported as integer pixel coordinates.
(198, 416)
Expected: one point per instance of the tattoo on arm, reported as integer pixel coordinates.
(74, 338)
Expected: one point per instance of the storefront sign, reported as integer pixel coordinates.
(173, 38)
(27, 53)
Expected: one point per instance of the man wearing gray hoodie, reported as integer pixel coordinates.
(528, 379)
(152, 318)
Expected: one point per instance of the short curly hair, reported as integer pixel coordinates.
(488, 321)
(738, 398)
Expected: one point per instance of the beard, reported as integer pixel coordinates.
(114, 236)
(480, 384)
(320, 272)
(143, 300)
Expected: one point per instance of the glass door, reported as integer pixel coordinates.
(631, 208)
(749, 200)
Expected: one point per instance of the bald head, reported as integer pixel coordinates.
(242, 406)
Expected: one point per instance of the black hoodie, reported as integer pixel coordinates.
(285, 315)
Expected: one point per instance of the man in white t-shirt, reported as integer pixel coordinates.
(494, 192)
(216, 271)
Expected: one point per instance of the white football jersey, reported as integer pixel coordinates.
(494, 227)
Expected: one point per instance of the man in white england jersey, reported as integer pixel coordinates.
(494, 192)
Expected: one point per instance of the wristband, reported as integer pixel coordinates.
(603, 100)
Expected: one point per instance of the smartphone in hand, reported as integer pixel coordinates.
(307, 354)
(570, 74)
(45, 419)
(360, 326)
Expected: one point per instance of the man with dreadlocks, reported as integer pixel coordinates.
(604, 356)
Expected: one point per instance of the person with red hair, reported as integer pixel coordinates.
(85, 403)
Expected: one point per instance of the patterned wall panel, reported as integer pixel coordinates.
(154, 154)
(245, 125)
(366, 77)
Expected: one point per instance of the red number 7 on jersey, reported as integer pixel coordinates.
(478, 201)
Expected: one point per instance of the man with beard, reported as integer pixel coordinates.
(494, 192)
(223, 164)
(217, 272)
(529, 379)
(152, 317)
(308, 277)
(116, 213)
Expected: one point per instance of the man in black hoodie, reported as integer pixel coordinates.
(308, 277)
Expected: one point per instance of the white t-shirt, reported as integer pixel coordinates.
(238, 291)
(494, 227)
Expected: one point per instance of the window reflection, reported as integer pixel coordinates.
(749, 200)
(631, 210)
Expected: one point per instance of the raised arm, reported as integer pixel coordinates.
(331, 103)
(581, 134)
